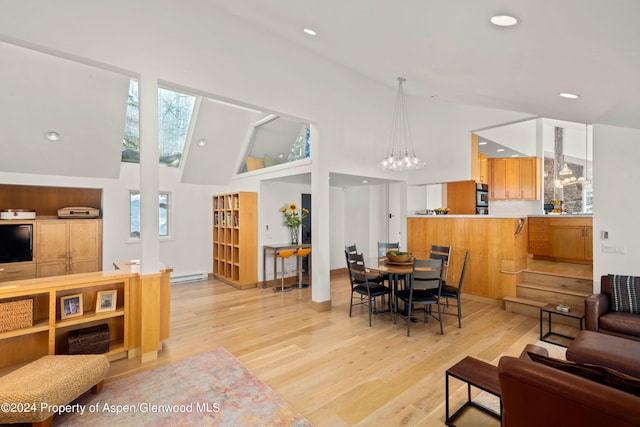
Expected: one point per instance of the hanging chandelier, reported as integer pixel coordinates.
(400, 154)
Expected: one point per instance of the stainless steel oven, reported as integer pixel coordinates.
(482, 199)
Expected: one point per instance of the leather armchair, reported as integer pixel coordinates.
(536, 395)
(599, 316)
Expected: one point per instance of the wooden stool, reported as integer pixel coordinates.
(49, 382)
(302, 252)
(283, 255)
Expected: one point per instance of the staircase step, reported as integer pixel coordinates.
(559, 281)
(550, 294)
(523, 306)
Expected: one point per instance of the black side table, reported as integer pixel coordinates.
(551, 309)
(475, 373)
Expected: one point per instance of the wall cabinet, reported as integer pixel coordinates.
(235, 239)
(559, 238)
(483, 167)
(479, 162)
(461, 197)
(68, 246)
(514, 178)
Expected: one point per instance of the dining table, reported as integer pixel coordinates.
(397, 271)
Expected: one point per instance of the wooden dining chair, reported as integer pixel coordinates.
(372, 276)
(443, 253)
(368, 290)
(423, 289)
(454, 292)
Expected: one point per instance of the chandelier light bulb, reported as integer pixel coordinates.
(400, 139)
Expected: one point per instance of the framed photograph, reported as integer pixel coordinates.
(70, 306)
(106, 300)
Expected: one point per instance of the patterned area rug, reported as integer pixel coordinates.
(212, 389)
(492, 402)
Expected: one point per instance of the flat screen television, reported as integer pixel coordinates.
(16, 242)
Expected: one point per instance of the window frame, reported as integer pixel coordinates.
(170, 216)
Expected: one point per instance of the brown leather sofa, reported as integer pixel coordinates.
(599, 316)
(534, 394)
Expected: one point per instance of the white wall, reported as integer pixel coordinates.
(337, 219)
(615, 200)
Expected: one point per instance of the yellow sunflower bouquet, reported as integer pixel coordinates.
(293, 217)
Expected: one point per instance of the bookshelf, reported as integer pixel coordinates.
(235, 239)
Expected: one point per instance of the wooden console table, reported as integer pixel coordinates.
(274, 249)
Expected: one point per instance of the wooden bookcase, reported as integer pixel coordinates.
(235, 239)
(49, 332)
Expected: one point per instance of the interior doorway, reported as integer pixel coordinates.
(306, 227)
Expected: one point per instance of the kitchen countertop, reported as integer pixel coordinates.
(467, 216)
(552, 215)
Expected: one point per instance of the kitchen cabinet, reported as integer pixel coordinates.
(561, 238)
(479, 162)
(68, 246)
(572, 238)
(461, 197)
(514, 178)
(483, 166)
(539, 236)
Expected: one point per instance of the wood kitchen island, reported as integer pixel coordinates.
(497, 249)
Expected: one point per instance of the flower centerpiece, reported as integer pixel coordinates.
(557, 206)
(293, 219)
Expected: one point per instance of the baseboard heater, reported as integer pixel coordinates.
(185, 278)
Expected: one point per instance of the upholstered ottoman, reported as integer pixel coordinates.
(31, 393)
(606, 350)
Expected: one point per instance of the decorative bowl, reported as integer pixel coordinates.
(399, 256)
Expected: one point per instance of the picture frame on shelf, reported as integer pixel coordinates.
(106, 300)
(71, 306)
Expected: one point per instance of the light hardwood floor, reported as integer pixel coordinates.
(336, 370)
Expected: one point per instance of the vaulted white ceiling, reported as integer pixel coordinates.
(450, 50)
(446, 50)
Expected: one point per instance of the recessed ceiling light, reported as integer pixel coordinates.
(569, 95)
(482, 143)
(364, 181)
(53, 135)
(202, 142)
(504, 20)
(515, 155)
(310, 31)
(500, 149)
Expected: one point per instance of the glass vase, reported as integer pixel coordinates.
(294, 235)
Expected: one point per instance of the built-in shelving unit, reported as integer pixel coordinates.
(49, 332)
(235, 239)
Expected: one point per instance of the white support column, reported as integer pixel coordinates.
(320, 258)
(149, 174)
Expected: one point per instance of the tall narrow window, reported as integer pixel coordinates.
(163, 212)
